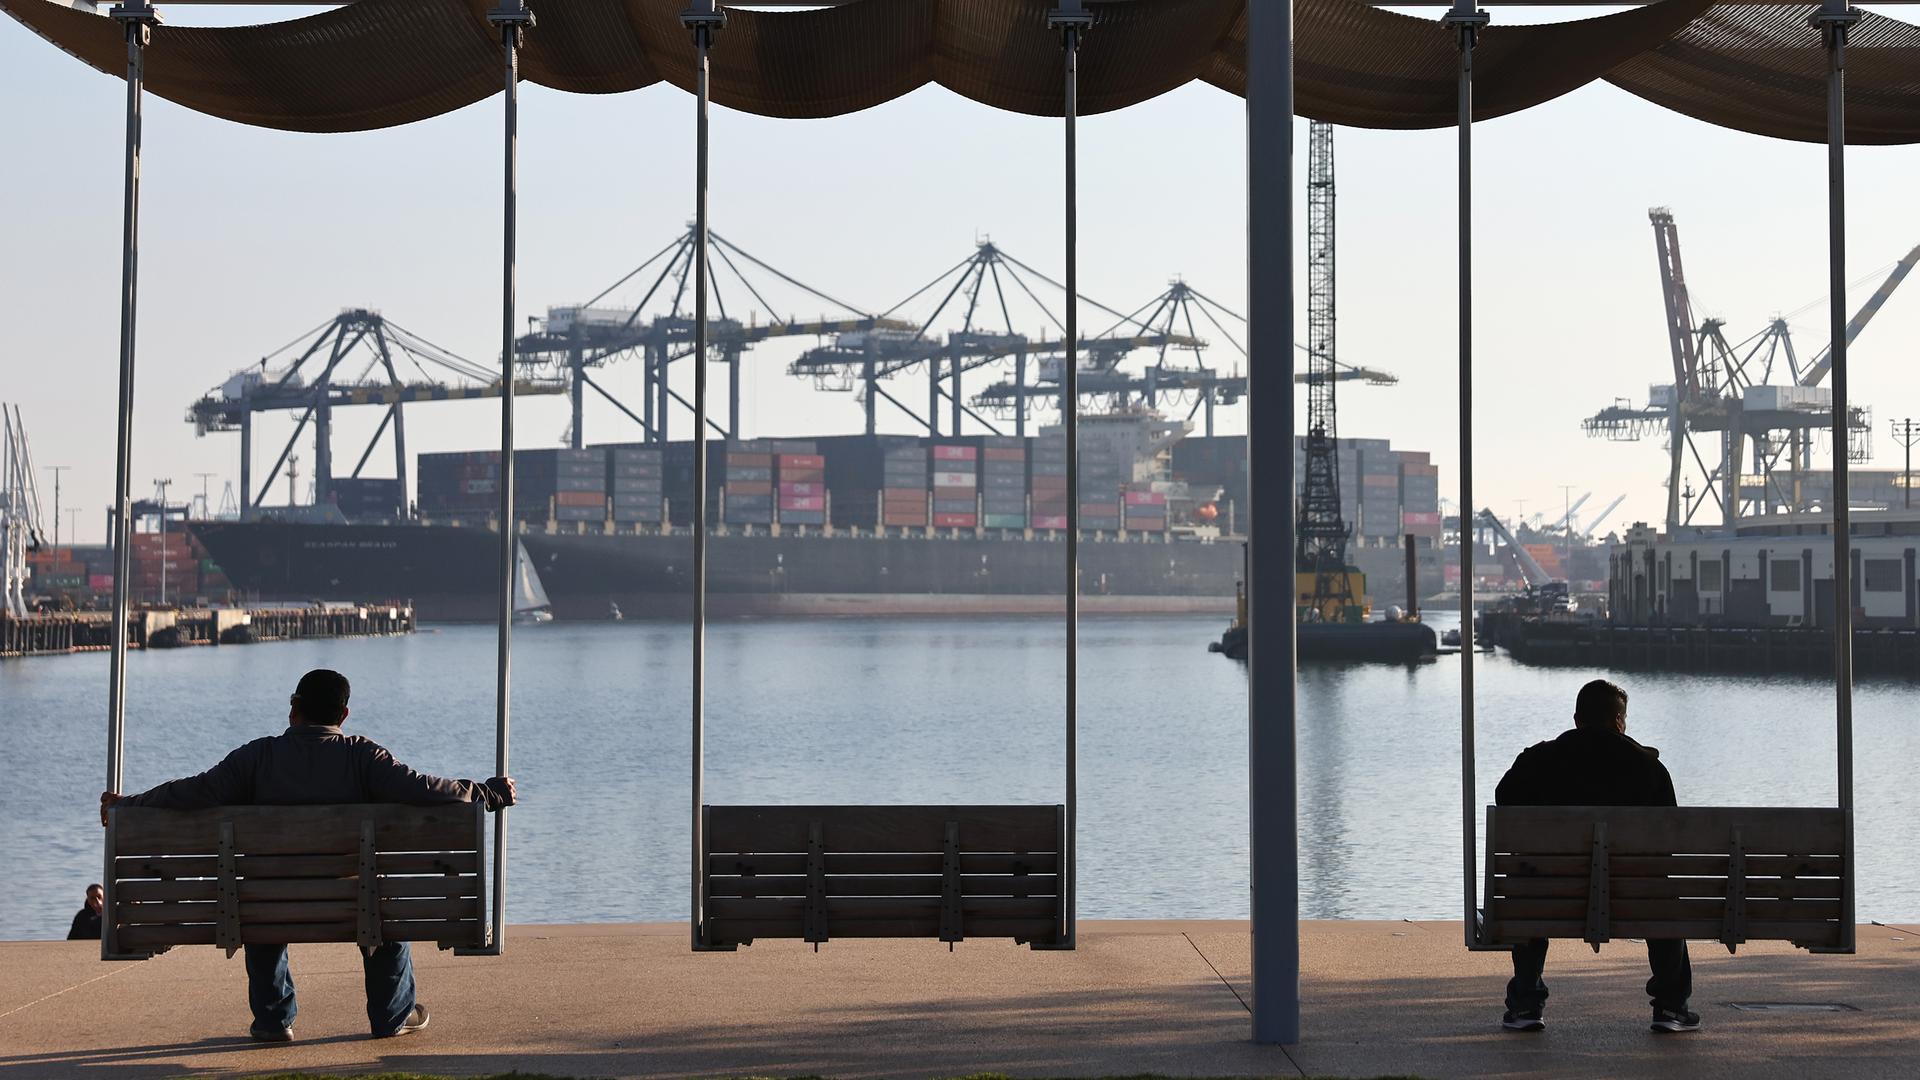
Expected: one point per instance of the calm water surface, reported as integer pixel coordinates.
(930, 711)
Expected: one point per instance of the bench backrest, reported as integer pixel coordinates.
(1727, 874)
(236, 875)
(946, 872)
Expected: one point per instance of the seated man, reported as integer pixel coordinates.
(1595, 764)
(313, 763)
(86, 921)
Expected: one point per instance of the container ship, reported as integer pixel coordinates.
(836, 525)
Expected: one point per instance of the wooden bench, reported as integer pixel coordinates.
(246, 875)
(821, 872)
(1726, 874)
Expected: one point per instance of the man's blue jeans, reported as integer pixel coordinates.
(389, 971)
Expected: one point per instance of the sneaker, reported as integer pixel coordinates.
(271, 1034)
(1666, 1020)
(415, 1020)
(1526, 1021)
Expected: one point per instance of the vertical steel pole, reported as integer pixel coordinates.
(512, 19)
(1072, 20)
(703, 19)
(1272, 661)
(1835, 19)
(138, 19)
(1466, 22)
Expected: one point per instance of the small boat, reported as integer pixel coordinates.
(530, 604)
(1451, 638)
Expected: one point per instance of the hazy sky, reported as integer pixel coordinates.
(252, 236)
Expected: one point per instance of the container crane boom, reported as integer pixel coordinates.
(1530, 568)
(1601, 517)
(1824, 362)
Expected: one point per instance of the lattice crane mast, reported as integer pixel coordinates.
(1328, 587)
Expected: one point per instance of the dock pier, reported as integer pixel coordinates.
(1556, 643)
(62, 632)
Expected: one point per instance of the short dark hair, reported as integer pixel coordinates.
(1601, 704)
(322, 696)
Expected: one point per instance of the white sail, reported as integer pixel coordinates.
(528, 593)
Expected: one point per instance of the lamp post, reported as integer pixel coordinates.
(1906, 430)
(56, 470)
(163, 485)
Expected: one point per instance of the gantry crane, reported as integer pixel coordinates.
(979, 283)
(1728, 390)
(358, 338)
(578, 338)
(20, 530)
(1197, 384)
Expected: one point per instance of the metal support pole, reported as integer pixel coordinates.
(1072, 20)
(733, 394)
(137, 18)
(512, 19)
(576, 392)
(1466, 22)
(703, 19)
(1835, 19)
(1272, 659)
(1020, 394)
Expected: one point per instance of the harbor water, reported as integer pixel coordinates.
(903, 710)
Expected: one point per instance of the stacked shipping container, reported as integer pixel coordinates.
(1102, 474)
(746, 475)
(1049, 483)
(1003, 482)
(465, 484)
(362, 499)
(1146, 511)
(637, 485)
(904, 486)
(803, 489)
(956, 485)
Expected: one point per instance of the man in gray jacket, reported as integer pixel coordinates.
(312, 763)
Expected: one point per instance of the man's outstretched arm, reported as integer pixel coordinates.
(229, 783)
(390, 781)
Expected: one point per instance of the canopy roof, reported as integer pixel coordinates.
(378, 63)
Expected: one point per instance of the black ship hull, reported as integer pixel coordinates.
(450, 573)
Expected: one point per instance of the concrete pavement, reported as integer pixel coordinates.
(1167, 997)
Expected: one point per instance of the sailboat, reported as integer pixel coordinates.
(530, 603)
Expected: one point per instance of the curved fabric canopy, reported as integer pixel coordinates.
(1762, 69)
(377, 63)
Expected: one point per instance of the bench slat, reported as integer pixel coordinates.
(905, 828)
(1758, 866)
(856, 863)
(1638, 888)
(888, 885)
(880, 907)
(1666, 910)
(1690, 830)
(739, 931)
(1807, 933)
(293, 830)
(413, 910)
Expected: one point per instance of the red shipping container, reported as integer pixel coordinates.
(1100, 509)
(1049, 521)
(955, 480)
(906, 495)
(955, 453)
(100, 582)
(801, 489)
(1005, 455)
(803, 476)
(579, 498)
(750, 487)
(750, 461)
(1049, 483)
(956, 521)
(803, 502)
(1146, 498)
(1411, 518)
(802, 461)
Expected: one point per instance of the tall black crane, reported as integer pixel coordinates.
(1320, 554)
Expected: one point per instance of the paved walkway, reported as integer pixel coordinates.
(1167, 997)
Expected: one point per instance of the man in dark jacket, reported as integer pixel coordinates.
(313, 763)
(86, 921)
(1595, 764)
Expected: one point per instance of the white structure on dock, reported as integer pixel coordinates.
(19, 511)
